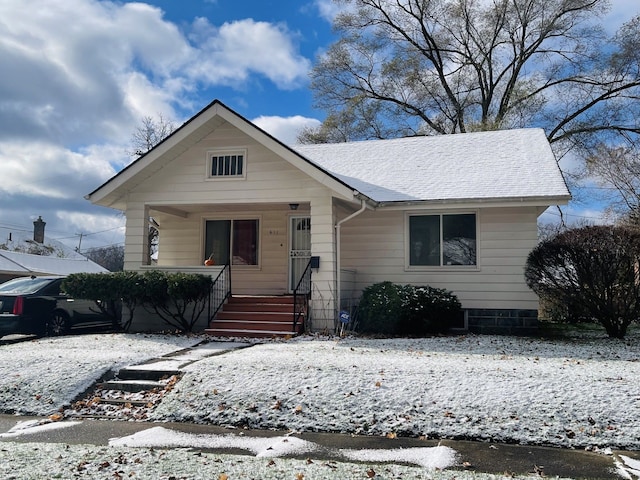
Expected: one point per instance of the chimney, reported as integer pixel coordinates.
(38, 230)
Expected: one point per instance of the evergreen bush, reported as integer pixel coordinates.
(179, 299)
(390, 309)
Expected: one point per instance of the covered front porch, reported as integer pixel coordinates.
(259, 250)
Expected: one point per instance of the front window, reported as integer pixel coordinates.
(437, 240)
(232, 241)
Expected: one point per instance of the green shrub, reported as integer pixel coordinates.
(102, 289)
(179, 299)
(390, 309)
(428, 310)
(380, 308)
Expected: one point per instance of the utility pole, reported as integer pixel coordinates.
(80, 242)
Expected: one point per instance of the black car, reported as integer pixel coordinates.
(36, 305)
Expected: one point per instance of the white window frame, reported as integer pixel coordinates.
(211, 154)
(441, 266)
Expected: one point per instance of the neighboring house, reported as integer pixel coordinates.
(454, 211)
(23, 253)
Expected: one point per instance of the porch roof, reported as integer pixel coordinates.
(483, 166)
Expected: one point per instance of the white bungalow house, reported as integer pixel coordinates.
(457, 212)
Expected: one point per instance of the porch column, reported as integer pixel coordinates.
(323, 293)
(136, 237)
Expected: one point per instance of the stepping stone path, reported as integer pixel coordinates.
(136, 390)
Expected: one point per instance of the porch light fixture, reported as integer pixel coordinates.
(294, 206)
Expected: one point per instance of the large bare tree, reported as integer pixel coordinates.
(416, 67)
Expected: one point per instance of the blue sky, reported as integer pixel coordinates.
(79, 75)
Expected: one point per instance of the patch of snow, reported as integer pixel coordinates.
(30, 427)
(427, 457)
(161, 437)
(628, 468)
(41, 376)
(272, 447)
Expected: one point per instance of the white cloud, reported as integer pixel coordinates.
(46, 170)
(285, 129)
(328, 9)
(231, 53)
(79, 75)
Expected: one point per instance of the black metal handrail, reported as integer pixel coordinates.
(220, 291)
(301, 295)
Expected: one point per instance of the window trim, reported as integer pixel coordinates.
(441, 267)
(222, 152)
(257, 218)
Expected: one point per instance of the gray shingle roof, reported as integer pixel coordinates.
(475, 166)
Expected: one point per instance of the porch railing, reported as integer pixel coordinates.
(220, 291)
(301, 295)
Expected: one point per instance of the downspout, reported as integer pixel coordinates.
(363, 207)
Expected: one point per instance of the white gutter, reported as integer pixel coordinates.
(363, 207)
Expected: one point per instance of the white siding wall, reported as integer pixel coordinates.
(270, 185)
(373, 244)
(135, 243)
(323, 301)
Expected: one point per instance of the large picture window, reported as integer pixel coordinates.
(440, 240)
(232, 241)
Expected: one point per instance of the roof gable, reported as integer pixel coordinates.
(112, 192)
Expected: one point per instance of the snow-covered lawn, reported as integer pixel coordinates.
(574, 393)
(40, 376)
(505, 389)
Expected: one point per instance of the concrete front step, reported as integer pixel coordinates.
(259, 307)
(225, 332)
(137, 373)
(242, 324)
(256, 316)
(132, 385)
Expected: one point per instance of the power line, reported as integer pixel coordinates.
(573, 215)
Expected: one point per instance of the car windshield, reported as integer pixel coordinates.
(24, 285)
